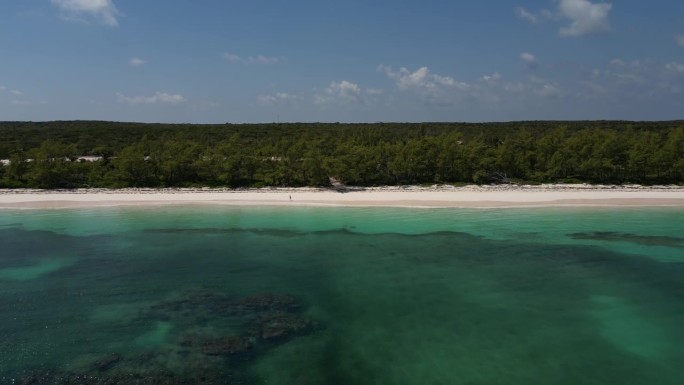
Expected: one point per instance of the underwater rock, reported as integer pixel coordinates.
(191, 302)
(279, 326)
(106, 363)
(646, 240)
(38, 377)
(205, 304)
(226, 346)
(53, 377)
(226, 231)
(265, 302)
(204, 354)
(165, 378)
(217, 331)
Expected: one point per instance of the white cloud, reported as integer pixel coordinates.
(675, 67)
(493, 78)
(232, 57)
(547, 90)
(621, 87)
(421, 79)
(157, 98)
(636, 80)
(532, 86)
(624, 73)
(11, 91)
(635, 69)
(680, 40)
(529, 59)
(343, 91)
(526, 15)
(344, 88)
(432, 89)
(490, 92)
(585, 17)
(258, 59)
(136, 62)
(19, 103)
(375, 91)
(277, 98)
(104, 10)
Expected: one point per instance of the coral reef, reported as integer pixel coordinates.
(218, 335)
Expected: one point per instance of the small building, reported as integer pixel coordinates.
(88, 158)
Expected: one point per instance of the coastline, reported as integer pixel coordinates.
(437, 196)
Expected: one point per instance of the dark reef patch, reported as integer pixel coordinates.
(225, 231)
(280, 326)
(212, 353)
(646, 240)
(227, 346)
(291, 233)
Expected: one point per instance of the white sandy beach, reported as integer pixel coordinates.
(405, 196)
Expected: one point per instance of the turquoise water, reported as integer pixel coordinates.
(225, 295)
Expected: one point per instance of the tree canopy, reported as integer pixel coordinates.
(46, 155)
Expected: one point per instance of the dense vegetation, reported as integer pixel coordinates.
(44, 155)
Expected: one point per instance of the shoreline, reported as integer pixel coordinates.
(437, 196)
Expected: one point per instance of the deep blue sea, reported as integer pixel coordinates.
(283, 295)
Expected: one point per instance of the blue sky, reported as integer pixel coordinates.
(215, 61)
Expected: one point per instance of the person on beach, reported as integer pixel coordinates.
(290, 197)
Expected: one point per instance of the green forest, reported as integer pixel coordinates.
(46, 154)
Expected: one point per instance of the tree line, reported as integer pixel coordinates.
(45, 155)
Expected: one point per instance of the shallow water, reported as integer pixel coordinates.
(380, 296)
